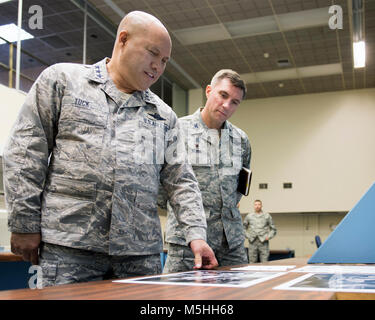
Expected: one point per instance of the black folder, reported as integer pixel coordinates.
(244, 181)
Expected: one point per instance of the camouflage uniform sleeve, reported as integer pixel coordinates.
(246, 225)
(246, 222)
(25, 158)
(181, 187)
(272, 228)
(246, 157)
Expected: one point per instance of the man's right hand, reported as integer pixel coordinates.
(204, 255)
(26, 245)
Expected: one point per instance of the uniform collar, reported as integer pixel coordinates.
(98, 71)
(199, 125)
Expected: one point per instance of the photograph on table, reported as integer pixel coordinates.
(336, 268)
(239, 279)
(336, 282)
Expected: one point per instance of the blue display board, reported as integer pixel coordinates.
(353, 240)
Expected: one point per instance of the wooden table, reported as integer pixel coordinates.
(107, 289)
(9, 257)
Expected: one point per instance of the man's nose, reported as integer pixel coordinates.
(156, 66)
(226, 103)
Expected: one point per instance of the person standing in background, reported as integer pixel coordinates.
(259, 229)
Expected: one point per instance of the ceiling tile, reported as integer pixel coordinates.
(304, 47)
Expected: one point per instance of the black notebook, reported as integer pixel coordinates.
(244, 181)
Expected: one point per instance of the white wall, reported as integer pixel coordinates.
(323, 143)
(10, 103)
(179, 100)
(195, 100)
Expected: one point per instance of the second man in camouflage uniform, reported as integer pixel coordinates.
(259, 230)
(217, 151)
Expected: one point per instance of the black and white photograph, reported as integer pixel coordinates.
(209, 278)
(337, 282)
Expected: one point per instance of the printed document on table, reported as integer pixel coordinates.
(219, 278)
(334, 282)
(360, 269)
(264, 268)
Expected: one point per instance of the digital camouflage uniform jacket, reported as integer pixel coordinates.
(259, 225)
(216, 163)
(73, 166)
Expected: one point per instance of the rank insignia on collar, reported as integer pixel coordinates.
(97, 69)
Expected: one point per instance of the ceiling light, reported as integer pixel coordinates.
(10, 33)
(266, 55)
(253, 26)
(303, 19)
(293, 73)
(320, 70)
(2, 1)
(359, 46)
(266, 76)
(213, 32)
(359, 54)
(358, 20)
(281, 85)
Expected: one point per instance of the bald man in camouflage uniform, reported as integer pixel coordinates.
(77, 184)
(260, 229)
(217, 151)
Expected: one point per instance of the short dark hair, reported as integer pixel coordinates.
(234, 78)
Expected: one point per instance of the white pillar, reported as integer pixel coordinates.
(18, 57)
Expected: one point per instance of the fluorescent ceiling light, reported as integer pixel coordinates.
(304, 19)
(213, 32)
(359, 54)
(290, 73)
(10, 33)
(320, 70)
(2, 1)
(293, 73)
(254, 26)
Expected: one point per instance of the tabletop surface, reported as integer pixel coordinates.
(107, 289)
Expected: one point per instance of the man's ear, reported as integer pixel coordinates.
(123, 37)
(208, 90)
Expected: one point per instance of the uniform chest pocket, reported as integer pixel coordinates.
(80, 133)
